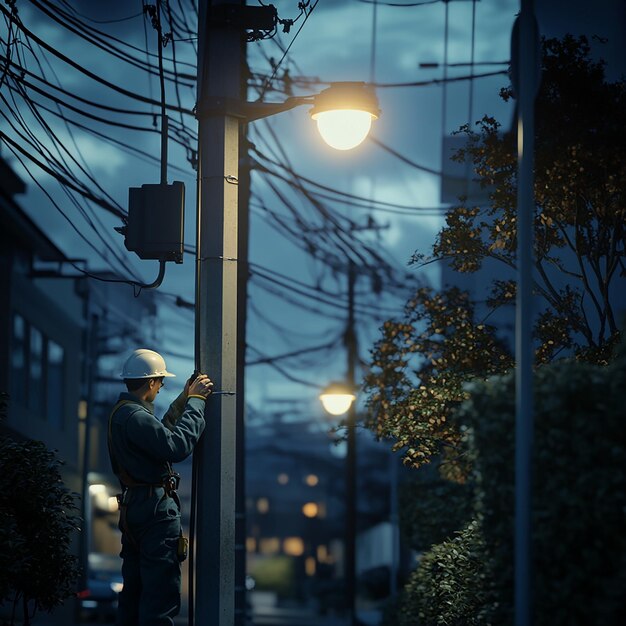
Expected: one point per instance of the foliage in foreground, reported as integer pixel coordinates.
(579, 499)
(438, 592)
(37, 521)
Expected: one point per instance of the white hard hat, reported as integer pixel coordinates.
(145, 364)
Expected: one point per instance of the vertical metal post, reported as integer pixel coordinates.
(242, 297)
(164, 136)
(351, 517)
(89, 373)
(395, 531)
(523, 324)
(219, 56)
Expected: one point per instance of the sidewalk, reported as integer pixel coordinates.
(262, 616)
(274, 616)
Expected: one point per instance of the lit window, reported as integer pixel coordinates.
(18, 359)
(322, 553)
(293, 546)
(54, 384)
(311, 480)
(310, 509)
(283, 479)
(250, 544)
(309, 566)
(36, 380)
(269, 545)
(262, 505)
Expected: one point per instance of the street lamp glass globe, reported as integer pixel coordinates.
(344, 113)
(344, 129)
(337, 404)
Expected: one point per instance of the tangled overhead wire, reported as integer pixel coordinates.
(151, 10)
(286, 23)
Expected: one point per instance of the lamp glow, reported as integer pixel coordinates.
(343, 129)
(337, 398)
(344, 114)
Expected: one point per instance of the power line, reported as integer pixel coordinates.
(88, 115)
(59, 209)
(286, 374)
(265, 360)
(114, 21)
(316, 294)
(62, 179)
(271, 78)
(70, 94)
(93, 34)
(401, 5)
(342, 194)
(138, 152)
(88, 73)
(440, 81)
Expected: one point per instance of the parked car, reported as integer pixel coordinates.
(98, 601)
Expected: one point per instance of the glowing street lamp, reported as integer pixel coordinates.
(344, 111)
(344, 114)
(337, 398)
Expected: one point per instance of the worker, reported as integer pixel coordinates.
(142, 450)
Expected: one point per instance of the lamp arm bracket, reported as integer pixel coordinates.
(214, 106)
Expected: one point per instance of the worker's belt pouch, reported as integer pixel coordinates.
(183, 548)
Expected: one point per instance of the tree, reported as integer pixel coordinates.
(421, 363)
(439, 383)
(37, 520)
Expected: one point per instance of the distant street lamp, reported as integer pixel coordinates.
(337, 399)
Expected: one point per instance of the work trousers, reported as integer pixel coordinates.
(150, 568)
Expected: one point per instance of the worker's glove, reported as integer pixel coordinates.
(189, 381)
(202, 386)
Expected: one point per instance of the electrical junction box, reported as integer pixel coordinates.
(156, 220)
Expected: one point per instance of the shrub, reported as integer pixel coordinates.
(579, 494)
(449, 585)
(578, 507)
(37, 519)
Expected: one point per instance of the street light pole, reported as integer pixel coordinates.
(221, 107)
(219, 62)
(526, 53)
(351, 512)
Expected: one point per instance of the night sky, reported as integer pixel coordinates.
(287, 312)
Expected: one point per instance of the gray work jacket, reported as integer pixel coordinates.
(144, 445)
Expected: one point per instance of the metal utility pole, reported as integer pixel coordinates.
(525, 52)
(351, 513)
(86, 419)
(219, 60)
(393, 518)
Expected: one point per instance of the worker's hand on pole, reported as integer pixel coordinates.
(188, 383)
(201, 386)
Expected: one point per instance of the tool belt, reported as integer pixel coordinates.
(169, 483)
(169, 486)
